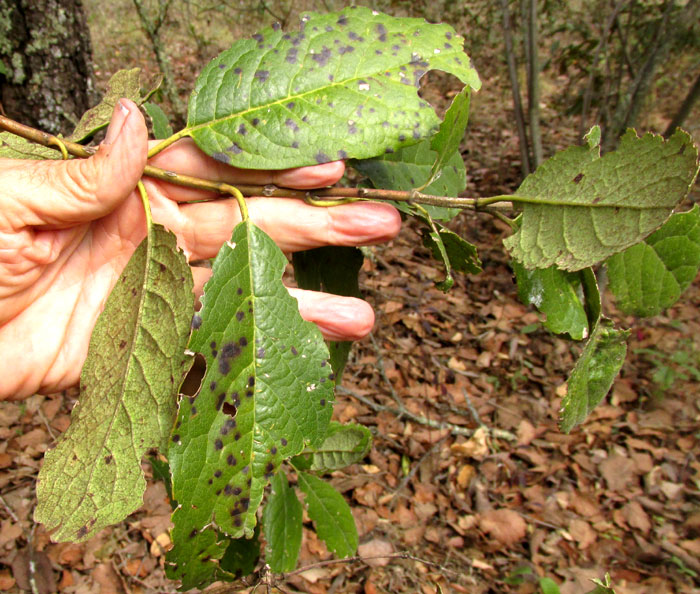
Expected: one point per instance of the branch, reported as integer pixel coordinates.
(488, 204)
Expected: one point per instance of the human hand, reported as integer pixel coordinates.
(68, 228)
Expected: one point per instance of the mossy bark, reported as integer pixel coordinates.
(46, 77)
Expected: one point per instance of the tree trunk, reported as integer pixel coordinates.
(46, 77)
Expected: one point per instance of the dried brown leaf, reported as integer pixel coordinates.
(504, 525)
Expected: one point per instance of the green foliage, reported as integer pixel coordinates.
(330, 514)
(554, 293)
(135, 364)
(266, 395)
(344, 445)
(161, 125)
(593, 373)
(582, 208)
(650, 276)
(342, 86)
(282, 521)
(332, 269)
(410, 168)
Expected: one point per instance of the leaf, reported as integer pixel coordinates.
(344, 445)
(583, 208)
(451, 133)
(455, 252)
(282, 525)
(134, 366)
(505, 526)
(16, 147)
(553, 292)
(333, 269)
(650, 276)
(409, 168)
(265, 396)
(241, 557)
(594, 373)
(161, 125)
(123, 84)
(591, 295)
(331, 515)
(343, 86)
(161, 472)
(549, 586)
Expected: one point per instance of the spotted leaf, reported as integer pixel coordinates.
(266, 394)
(343, 85)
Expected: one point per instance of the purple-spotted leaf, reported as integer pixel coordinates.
(341, 86)
(267, 393)
(128, 386)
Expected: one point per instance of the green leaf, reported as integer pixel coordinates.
(128, 386)
(549, 586)
(16, 147)
(333, 269)
(410, 168)
(451, 133)
(344, 445)
(650, 276)
(331, 515)
(553, 292)
(161, 124)
(128, 84)
(241, 557)
(265, 396)
(161, 472)
(282, 525)
(455, 252)
(342, 86)
(594, 373)
(591, 295)
(582, 209)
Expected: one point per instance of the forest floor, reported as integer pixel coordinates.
(469, 478)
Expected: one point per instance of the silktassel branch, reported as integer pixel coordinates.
(335, 193)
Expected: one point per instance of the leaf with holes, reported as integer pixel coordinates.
(342, 86)
(594, 373)
(344, 445)
(282, 525)
(128, 389)
(330, 514)
(582, 208)
(266, 394)
(650, 276)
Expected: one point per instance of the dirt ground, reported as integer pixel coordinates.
(469, 484)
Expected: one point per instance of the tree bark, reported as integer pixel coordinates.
(46, 77)
(684, 111)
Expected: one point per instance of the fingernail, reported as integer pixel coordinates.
(115, 126)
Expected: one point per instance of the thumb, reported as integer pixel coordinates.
(82, 190)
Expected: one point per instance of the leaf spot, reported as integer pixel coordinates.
(578, 178)
(321, 158)
(218, 444)
(262, 75)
